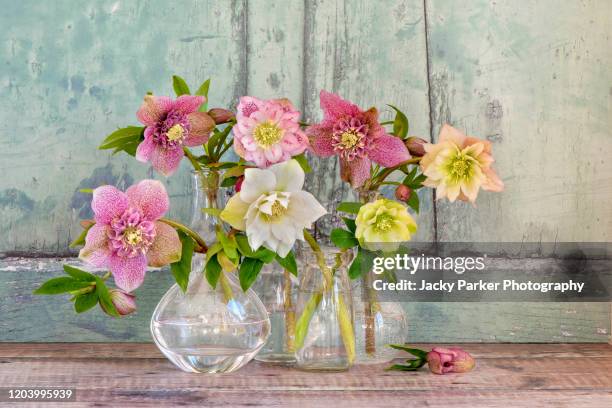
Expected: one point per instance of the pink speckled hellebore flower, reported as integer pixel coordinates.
(268, 131)
(449, 360)
(356, 136)
(127, 235)
(170, 125)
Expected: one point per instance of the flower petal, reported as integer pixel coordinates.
(289, 176)
(153, 108)
(388, 151)
(166, 161)
(334, 107)
(449, 133)
(166, 247)
(321, 140)
(235, 211)
(493, 182)
(256, 182)
(201, 125)
(150, 197)
(145, 149)
(107, 203)
(355, 172)
(96, 251)
(187, 104)
(128, 272)
(304, 209)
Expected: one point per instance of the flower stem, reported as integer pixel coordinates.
(192, 159)
(386, 172)
(327, 273)
(227, 290)
(196, 237)
(106, 276)
(289, 313)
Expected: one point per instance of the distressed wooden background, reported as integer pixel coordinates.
(532, 76)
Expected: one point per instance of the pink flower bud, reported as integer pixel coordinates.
(124, 302)
(449, 360)
(415, 146)
(402, 192)
(238, 184)
(221, 115)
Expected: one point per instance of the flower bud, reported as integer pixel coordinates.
(449, 360)
(238, 184)
(415, 146)
(221, 115)
(402, 192)
(124, 302)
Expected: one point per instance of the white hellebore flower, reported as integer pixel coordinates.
(272, 208)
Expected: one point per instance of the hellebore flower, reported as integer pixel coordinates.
(383, 225)
(449, 360)
(170, 125)
(268, 131)
(402, 192)
(127, 235)
(459, 165)
(272, 208)
(124, 302)
(416, 146)
(355, 136)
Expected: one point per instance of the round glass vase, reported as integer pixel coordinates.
(324, 337)
(277, 289)
(377, 324)
(205, 329)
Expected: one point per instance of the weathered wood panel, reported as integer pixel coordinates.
(72, 73)
(26, 317)
(129, 375)
(372, 53)
(534, 79)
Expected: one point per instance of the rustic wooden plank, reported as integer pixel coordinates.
(370, 64)
(78, 73)
(536, 84)
(530, 375)
(26, 317)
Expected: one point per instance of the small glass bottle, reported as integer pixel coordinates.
(325, 339)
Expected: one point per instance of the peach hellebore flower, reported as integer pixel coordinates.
(128, 235)
(268, 131)
(459, 165)
(356, 136)
(170, 125)
(449, 360)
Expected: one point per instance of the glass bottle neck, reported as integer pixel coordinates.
(206, 194)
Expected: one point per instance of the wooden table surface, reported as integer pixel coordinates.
(129, 375)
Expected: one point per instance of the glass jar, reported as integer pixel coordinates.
(205, 329)
(277, 289)
(324, 337)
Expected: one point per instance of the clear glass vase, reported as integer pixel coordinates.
(324, 328)
(208, 330)
(277, 289)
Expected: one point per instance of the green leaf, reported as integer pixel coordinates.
(181, 269)
(400, 124)
(363, 262)
(86, 190)
(288, 262)
(122, 137)
(349, 207)
(229, 182)
(401, 367)
(413, 201)
(229, 245)
(350, 224)
(343, 239)
(422, 354)
(129, 148)
(203, 91)
(104, 298)
(85, 302)
(80, 240)
(180, 86)
(249, 270)
(79, 274)
(263, 254)
(303, 162)
(243, 245)
(215, 212)
(213, 271)
(213, 250)
(59, 285)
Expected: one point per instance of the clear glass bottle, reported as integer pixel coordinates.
(277, 289)
(324, 328)
(208, 330)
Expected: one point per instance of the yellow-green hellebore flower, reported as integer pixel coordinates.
(383, 225)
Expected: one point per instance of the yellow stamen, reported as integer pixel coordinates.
(176, 132)
(383, 222)
(460, 166)
(349, 139)
(277, 211)
(133, 236)
(267, 134)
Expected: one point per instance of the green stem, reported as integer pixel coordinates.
(196, 237)
(386, 172)
(227, 290)
(106, 276)
(327, 273)
(192, 159)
